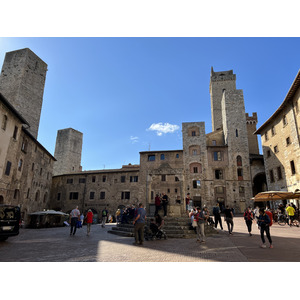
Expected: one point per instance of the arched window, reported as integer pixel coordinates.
(194, 150)
(239, 161)
(195, 168)
(37, 196)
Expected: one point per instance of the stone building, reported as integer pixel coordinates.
(280, 142)
(25, 165)
(222, 166)
(96, 190)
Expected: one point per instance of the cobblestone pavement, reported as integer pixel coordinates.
(56, 245)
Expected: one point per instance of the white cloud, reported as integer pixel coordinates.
(134, 139)
(161, 128)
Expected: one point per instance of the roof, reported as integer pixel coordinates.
(156, 151)
(293, 89)
(13, 110)
(105, 171)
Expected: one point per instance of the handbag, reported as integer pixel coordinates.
(194, 224)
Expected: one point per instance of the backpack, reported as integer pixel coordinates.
(270, 215)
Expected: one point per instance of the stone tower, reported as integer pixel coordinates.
(68, 150)
(235, 129)
(195, 160)
(22, 82)
(252, 138)
(219, 81)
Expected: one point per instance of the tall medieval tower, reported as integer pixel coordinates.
(22, 83)
(68, 150)
(219, 81)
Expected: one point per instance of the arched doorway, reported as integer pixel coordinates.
(259, 185)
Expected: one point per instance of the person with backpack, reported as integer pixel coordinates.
(248, 216)
(104, 216)
(217, 215)
(264, 225)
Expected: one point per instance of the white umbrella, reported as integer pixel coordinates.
(49, 212)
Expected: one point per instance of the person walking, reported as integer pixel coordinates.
(165, 202)
(217, 215)
(290, 211)
(228, 218)
(157, 204)
(74, 217)
(139, 224)
(264, 225)
(81, 219)
(104, 216)
(89, 221)
(200, 219)
(187, 202)
(248, 217)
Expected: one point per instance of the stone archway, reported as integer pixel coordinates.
(259, 183)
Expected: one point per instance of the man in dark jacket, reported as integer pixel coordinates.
(217, 215)
(165, 202)
(264, 225)
(228, 215)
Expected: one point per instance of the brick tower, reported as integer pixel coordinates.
(22, 82)
(68, 150)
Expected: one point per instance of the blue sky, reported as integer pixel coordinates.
(114, 90)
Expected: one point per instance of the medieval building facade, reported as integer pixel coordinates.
(221, 166)
(281, 143)
(26, 167)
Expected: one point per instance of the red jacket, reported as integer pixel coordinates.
(157, 201)
(89, 217)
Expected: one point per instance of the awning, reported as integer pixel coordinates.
(48, 212)
(276, 195)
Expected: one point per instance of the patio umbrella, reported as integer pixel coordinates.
(48, 212)
(276, 195)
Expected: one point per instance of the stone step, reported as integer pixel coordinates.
(175, 227)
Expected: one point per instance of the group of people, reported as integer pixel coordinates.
(125, 216)
(262, 216)
(76, 220)
(264, 219)
(289, 211)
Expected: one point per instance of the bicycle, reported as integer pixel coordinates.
(282, 220)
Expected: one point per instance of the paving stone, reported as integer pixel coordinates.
(56, 245)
